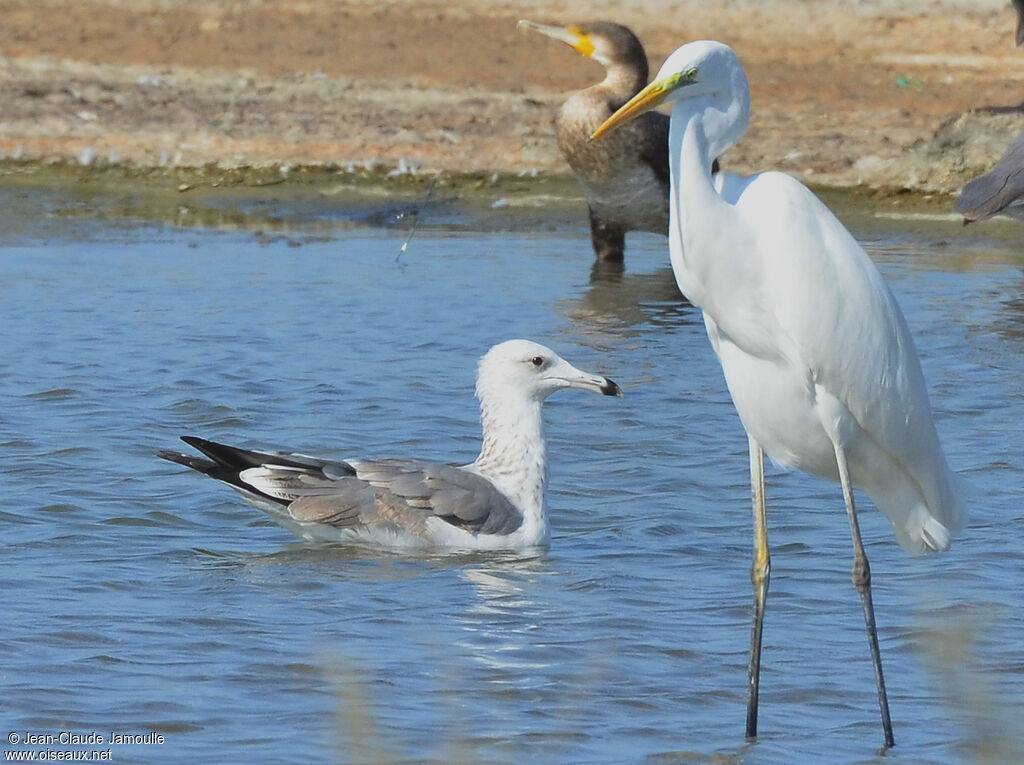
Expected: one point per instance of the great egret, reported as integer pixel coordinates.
(495, 502)
(626, 177)
(816, 353)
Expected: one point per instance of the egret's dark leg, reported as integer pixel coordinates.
(862, 581)
(760, 572)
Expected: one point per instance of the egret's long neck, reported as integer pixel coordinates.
(513, 456)
(690, 162)
(698, 213)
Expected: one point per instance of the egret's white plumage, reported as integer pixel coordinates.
(495, 502)
(816, 353)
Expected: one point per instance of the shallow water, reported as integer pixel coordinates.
(142, 598)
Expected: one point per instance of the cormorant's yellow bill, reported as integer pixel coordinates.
(574, 37)
(647, 99)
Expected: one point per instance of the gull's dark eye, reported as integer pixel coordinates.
(537, 361)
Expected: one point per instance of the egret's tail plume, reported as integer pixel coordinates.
(925, 534)
(924, 527)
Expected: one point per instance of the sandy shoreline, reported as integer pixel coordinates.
(843, 94)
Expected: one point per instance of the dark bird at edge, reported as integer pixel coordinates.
(1000, 191)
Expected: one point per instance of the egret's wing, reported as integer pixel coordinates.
(819, 300)
(997, 190)
(823, 303)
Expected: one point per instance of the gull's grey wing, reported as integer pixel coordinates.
(397, 492)
(460, 497)
(998, 190)
(358, 494)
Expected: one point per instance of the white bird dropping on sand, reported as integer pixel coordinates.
(495, 502)
(816, 353)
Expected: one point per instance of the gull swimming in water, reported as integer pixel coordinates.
(495, 502)
(625, 177)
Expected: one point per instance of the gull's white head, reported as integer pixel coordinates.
(709, 78)
(524, 370)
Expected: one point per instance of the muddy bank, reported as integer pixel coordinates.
(314, 203)
(843, 94)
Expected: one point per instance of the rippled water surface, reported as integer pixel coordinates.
(139, 597)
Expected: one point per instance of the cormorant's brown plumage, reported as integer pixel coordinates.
(625, 176)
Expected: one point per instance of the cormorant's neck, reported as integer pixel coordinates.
(623, 82)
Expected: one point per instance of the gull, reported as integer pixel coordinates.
(496, 502)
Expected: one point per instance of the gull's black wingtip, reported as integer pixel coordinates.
(166, 454)
(196, 463)
(195, 442)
